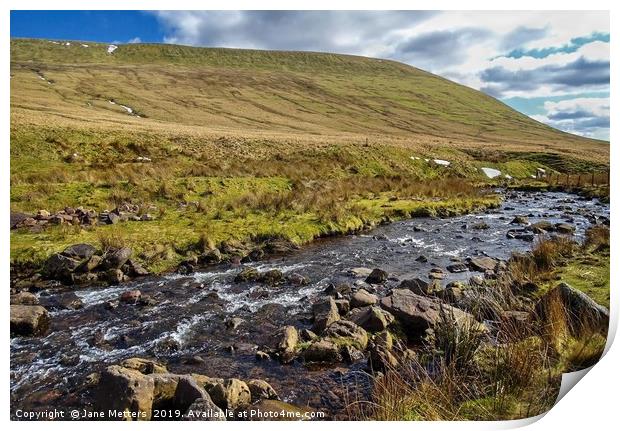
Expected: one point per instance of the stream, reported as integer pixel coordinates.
(186, 327)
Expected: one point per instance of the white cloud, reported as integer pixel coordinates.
(471, 47)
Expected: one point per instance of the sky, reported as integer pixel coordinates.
(552, 66)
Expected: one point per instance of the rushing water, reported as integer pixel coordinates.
(189, 317)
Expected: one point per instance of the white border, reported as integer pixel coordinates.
(592, 405)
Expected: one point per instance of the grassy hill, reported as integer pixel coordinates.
(295, 144)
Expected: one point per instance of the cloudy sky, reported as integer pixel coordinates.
(553, 66)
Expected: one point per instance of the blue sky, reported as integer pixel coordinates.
(552, 66)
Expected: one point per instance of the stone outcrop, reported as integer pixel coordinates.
(29, 320)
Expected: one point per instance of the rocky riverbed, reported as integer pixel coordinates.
(246, 321)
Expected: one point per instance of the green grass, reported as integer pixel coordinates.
(248, 144)
(590, 274)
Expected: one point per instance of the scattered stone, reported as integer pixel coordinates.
(482, 264)
(580, 311)
(287, 344)
(233, 394)
(24, 298)
(348, 333)
(131, 296)
(420, 286)
(114, 259)
(377, 276)
(360, 272)
(210, 257)
(520, 220)
(362, 298)
(436, 274)
(457, 267)
(79, 251)
(343, 306)
(29, 320)
(233, 323)
(296, 279)
(204, 409)
(322, 351)
(261, 390)
(418, 313)
(307, 335)
(325, 313)
(272, 277)
(115, 276)
(262, 356)
(132, 392)
(371, 318)
(145, 366)
(246, 275)
(422, 259)
(565, 228)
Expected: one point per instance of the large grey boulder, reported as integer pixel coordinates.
(114, 259)
(371, 318)
(29, 320)
(325, 313)
(125, 390)
(418, 313)
(580, 311)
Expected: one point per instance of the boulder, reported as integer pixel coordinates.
(188, 391)
(296, 279)
(322, 351)
(307, 335)
(247, 275)
(565, 228)
(134, 269)
(210, 257)
(24, 298)
(204, 409)
(420, 286)
(457, 267)
(580, 311)
(114, 276)
(145, 366)
(272, 277)
(233, 323)
(90, 264)
(125, 390)
(520, 220)
(29, 320)
(131, 296)
(343, 306)
(58, 266)
(360, 272)
(377, 276)
(362, 298)
(63, 301)
(79, 251)
(287, 343)
(114, 259)
(371, 318)
(436, 274)
(325, 313)
(345, 332)
(381, 357)
(233, 394)
(261, 390)
(418, 313)
(482, 264)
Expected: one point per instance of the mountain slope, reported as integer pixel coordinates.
(244, 90)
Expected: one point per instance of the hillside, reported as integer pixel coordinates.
(294, 144)
(267, 91)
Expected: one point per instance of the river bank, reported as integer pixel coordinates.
(215, 323)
